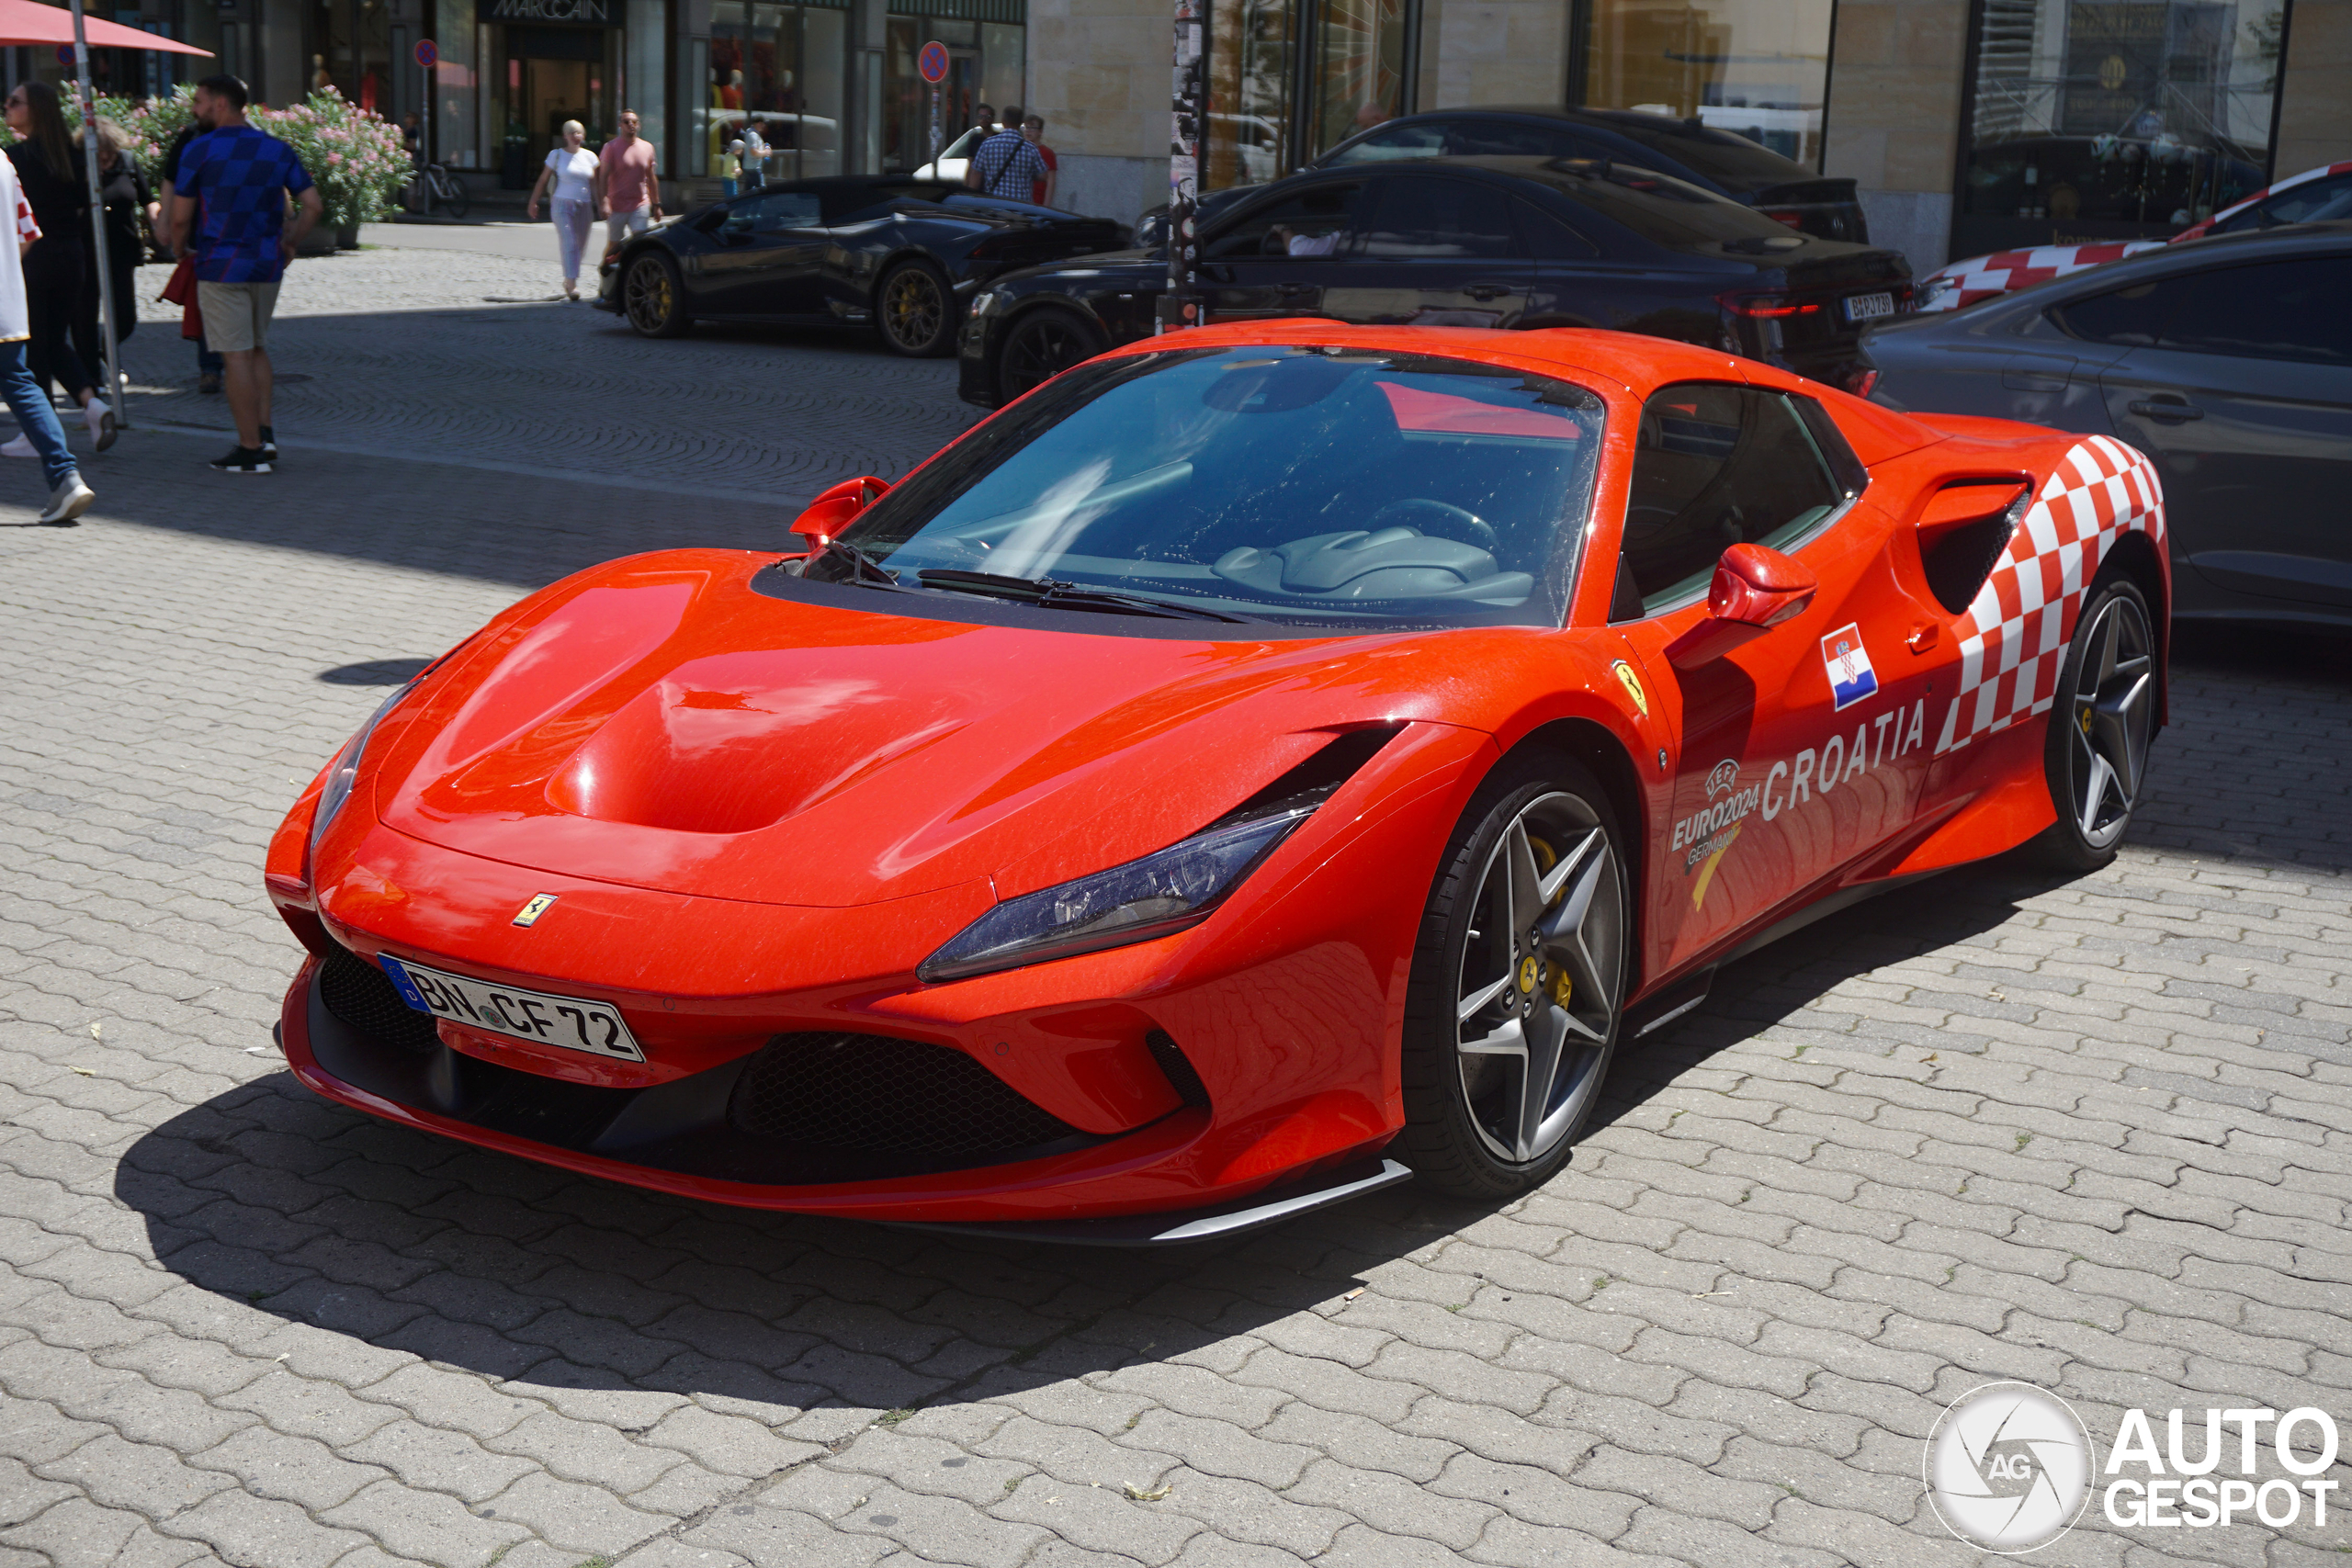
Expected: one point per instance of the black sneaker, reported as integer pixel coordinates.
(268, 444)
(243, 460)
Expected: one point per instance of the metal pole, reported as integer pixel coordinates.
(1182, 305)
(112, 369)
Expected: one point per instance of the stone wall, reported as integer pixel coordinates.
(1895, 69)
(2315, 116)
(1098, 73)
(1495, 52)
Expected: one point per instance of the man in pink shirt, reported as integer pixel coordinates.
(628, 193)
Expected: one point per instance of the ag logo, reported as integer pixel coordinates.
(1725, 774)
(2009, 1468)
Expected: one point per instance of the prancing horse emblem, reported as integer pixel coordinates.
(539, 905)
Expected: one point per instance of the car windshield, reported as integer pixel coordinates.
(1296, 484)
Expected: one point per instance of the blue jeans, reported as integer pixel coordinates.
(31, 406)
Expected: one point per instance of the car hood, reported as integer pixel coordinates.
(658, 723)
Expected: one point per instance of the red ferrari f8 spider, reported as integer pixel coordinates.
(1260, 764)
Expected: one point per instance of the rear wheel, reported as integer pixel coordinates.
(2101, 727)
(1518, 983)
(1040, 346)
(912, 310)
(652, 295)
(454, 196)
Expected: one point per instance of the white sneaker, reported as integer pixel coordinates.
(101, 419)
(21, 447)
(69, 500)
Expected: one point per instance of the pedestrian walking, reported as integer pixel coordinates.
(132, 212)
(238, 177)
(755, 157)
(571, 170)
(1007, 167)
(730, 168)
(209, 363)
(51, 179)
(1033, 127)
(628, 190)
(68, 496)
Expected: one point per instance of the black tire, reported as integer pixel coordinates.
(2102, 724)
(652, 295)
(1041, 345)
(455, 197)
(915, 310)
(1470, 1129)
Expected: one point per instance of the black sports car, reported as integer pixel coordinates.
(1708, 156)
(1465, 243)
(901, 254)
(2227, 360)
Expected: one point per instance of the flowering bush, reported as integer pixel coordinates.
(356, 157)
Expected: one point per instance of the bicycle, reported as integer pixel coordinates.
(435, 185)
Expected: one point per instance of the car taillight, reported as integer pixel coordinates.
(1860, 382)
(1793, 220)
(1766, 305)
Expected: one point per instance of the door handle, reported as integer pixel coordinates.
(1483, 291)
(2165, 411)
(1296, 290)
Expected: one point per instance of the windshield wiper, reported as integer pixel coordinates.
(862, 567)
(1053, 594)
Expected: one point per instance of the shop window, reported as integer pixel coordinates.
(1253, 65)
(1757, 69)
(2108, 120)
(779, 68)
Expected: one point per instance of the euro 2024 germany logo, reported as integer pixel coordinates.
(2009, 1468)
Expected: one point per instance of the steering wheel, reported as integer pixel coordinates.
(1439, 518)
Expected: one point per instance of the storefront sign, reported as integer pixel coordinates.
(545, 13)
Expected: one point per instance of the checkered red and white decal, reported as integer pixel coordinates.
(2003, 272)
(2014, 637)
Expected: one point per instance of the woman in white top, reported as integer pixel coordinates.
(571, 202)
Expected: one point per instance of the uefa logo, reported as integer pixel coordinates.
(2009, 1468)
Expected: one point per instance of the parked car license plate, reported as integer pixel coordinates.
(572, 1022)
(1865, 307)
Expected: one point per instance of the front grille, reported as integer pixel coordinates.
(1177, 1068)
(361, 994)
(874, 1093)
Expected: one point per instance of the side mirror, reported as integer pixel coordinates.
(832, 510)
(1755, 589)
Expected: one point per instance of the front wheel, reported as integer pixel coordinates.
(2100, 727)
(1040, 346)
(913, 308)
(653, 298)
(1518, 983)
(453, 196)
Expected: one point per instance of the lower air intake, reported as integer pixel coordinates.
(871, 1092)
(360, 995)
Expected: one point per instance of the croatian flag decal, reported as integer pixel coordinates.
(1849, 663)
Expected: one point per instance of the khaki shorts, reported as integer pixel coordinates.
(236, 315)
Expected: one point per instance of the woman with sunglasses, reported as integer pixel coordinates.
(58, 264)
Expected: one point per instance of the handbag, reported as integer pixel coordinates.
(180, 289)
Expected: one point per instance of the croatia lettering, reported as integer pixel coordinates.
(1818, 772)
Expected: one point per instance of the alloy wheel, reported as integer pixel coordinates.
(1040, 351)
(2111, 714)
(912, 310)
(1537, 990)
(651, 296)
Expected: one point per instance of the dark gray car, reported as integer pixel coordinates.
(2227, 360)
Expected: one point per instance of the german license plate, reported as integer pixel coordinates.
(572, 1022)
(1866, 306)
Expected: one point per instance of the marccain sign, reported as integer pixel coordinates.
(588, 13)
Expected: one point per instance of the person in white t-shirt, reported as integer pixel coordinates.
(68, 496)
(569, 178)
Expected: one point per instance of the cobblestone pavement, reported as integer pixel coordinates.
(2093, 1134)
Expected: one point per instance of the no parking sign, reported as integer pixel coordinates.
(933, 62)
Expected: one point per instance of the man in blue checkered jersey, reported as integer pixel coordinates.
(1008, 164)
(230, 207)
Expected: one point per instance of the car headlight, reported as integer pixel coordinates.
(983, 302)
(1161, 893)
(344, 771)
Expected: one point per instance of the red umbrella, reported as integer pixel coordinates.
(29, 21)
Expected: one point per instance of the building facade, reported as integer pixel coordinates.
(1967, 125)
(833, 85)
